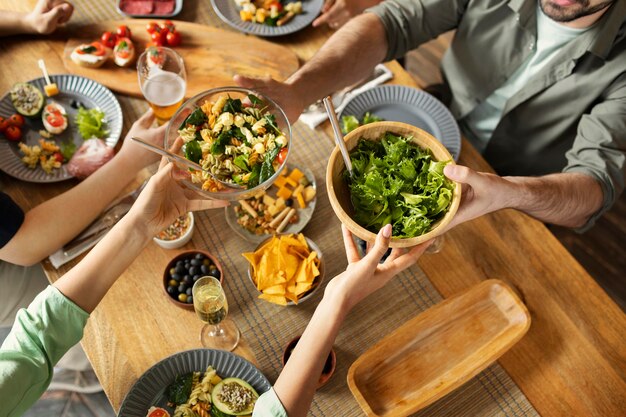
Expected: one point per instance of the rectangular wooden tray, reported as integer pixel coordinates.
(438, 350)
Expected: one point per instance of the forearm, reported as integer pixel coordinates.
(52, 224)
(14, 23)
(88, 282)
(297, 382)
(565, 199)
(347, 57)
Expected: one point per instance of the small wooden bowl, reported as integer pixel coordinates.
(329, 366)
(172, 263)
(339, 193)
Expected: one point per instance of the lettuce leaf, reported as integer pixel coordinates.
(397, 182)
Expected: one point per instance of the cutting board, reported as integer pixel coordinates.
(212, 56)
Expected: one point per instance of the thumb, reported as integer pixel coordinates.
(460, 173)
(381, 245)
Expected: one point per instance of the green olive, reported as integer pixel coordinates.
(173, 282)
(182, 297)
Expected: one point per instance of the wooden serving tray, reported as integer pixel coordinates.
(438, 350)
(212, 56)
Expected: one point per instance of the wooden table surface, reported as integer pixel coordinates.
(571, 362)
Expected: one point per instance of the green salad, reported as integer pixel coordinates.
(91, 123)
(395, 181)
(351, 122)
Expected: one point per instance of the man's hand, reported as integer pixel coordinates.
(136, 156)
(336, 13)
(281, 92)
(48, 15)
(364, 276)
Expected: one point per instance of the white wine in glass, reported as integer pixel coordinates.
(163, 81)
(211, 306)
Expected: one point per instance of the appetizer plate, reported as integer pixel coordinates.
(228, 11)
(149, 390)
(123, 10)
(304, 215)
(438, 350)
(396, 103)
(73, 89)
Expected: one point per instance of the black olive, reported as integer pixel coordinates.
(199, 256)
(172, 290)
(179, 262)
(188, 280)
(289, 202)
(177, 277)
(189, 299)
(180, 269)
(194, 270)
(195, 278)
(204, 269)
(189, 291)
(196, 262)
(182, 288)
(214, 272)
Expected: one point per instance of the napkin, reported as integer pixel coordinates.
(60, 257)
(316, 113)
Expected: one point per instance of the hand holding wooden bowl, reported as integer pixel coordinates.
(339, 192)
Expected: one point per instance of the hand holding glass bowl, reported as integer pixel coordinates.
(221, 151)
(163, 81)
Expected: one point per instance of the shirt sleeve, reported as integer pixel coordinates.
(11, 218)
(40, 336)
(599, 149)
(268, 405)
(409, 23)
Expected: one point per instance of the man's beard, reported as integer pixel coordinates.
(567, 14)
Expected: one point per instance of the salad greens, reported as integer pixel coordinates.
(349, 123)
(395, 181)
(178, 391)
(91, 123)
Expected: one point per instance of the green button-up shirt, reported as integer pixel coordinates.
(569, 117)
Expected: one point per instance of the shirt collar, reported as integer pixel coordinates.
(611, 26)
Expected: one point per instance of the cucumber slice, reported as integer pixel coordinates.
(226, 387)
(27, 99)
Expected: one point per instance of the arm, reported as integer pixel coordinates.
(566, 199)
(337, 12)
(63, 217)
(297, 382)
(44, 19)
(54, 321)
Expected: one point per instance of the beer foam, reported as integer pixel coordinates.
(163, 88)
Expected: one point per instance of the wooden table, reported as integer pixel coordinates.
(571, 362)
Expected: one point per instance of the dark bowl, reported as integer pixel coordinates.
(172, 264)
(329, 366)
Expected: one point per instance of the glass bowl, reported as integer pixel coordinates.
(227, 193)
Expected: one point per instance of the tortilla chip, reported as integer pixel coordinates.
(276, 299)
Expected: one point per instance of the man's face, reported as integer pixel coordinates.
(569, 10)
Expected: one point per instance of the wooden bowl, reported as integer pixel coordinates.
(329, 365)
(339, 193)
(183, 255)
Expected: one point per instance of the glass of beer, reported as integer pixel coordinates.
(210, 304)
(162, 80)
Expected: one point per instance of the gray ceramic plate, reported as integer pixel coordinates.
(228, 11)
(398, 103)
(304, 215)
(149, 390)
(73, 88)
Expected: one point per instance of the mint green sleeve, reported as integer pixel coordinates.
(268, 405)
(40, 336)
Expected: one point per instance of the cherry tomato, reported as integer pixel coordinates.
(55, 119)
(163, 33)
(156, 38)
(58, 156)
(168, 25)
(16, 120)
(282, 155)
(123, 31)
(4, 123)
(173, 38)
(13, 133)
(158, 412)
(152, 27)
(279, 6)
(108, 39)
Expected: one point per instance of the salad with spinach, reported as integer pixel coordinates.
(395, 181)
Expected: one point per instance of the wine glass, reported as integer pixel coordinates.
(163, 81)
(210, 304)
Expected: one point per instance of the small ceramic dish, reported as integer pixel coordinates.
(163, 9)
(329, 366)
(184, 270)
(182, 239)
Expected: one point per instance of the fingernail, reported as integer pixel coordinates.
(387, 231)
(449, 169)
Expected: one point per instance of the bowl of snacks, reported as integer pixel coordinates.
(184, 270)
(176, 234)
(397, 178)
(233, 143)
(286, 207)
(329, 365)
(286, 269)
